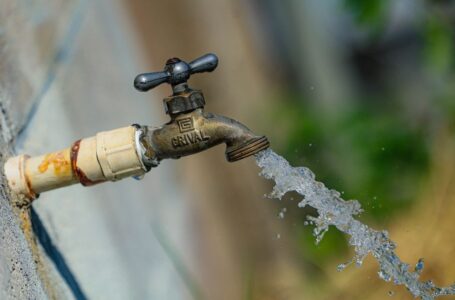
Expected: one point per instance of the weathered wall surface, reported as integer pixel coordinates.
(66, 70)
(18, 58)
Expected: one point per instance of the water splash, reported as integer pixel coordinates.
(333, 210)
(282, 213)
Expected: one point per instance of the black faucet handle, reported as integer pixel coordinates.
(205, 63)
(146, 81)
(176, 72)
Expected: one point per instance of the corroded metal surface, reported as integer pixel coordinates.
(197, 131)
(248, 148)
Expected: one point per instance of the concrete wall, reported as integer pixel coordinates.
(66, 71)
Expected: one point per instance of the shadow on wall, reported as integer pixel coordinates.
(55, 256)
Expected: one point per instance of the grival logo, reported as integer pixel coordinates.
(189, 135)
(185, 125)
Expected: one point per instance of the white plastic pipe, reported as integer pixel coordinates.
(108, 156)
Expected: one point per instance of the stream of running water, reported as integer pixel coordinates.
(335, 211)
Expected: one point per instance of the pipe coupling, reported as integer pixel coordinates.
(108, 156)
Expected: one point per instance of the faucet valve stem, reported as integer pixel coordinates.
(176, 73)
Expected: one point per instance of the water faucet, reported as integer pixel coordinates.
(133, 150)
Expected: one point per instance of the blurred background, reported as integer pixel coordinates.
(359, 91)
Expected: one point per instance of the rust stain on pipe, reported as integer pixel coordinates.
(30, 193)
(61, 165)
(80, 175)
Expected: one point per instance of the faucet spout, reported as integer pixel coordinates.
(196, 131)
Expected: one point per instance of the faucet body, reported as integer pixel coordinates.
(133, 150)
(197, 131)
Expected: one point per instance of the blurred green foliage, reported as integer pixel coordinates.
(438, 35)
(369, 13)
(372, 156)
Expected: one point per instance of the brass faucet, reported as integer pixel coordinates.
(133, 150)
(191, 129)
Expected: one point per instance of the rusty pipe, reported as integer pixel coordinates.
(108, 156)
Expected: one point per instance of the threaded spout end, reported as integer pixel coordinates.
(248, 148)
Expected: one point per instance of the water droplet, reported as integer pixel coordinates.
(419, 266)
(282, 213)
(341, 267)
(391, 293)
(139, 177)
(384, 276)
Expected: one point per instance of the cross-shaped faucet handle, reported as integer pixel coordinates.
(176, 72)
